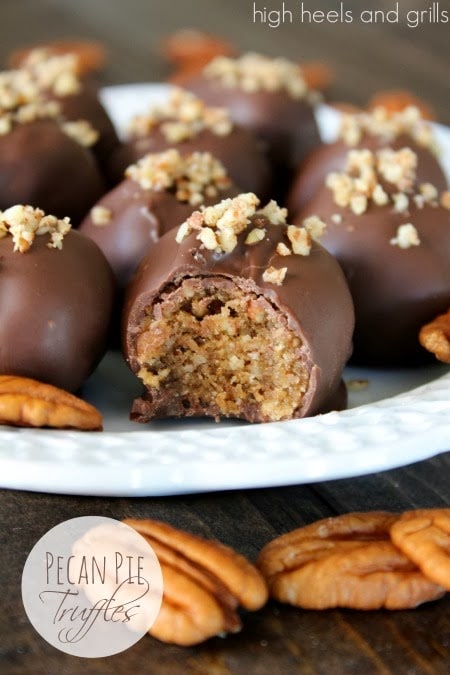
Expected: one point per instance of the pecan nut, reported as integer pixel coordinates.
(25, 402)
(348, 561)
(435, 337)
(424, 536)
(205, 582)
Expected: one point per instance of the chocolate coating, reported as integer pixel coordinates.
(85, 105)
(313, 297)
(54, 310)
(395, 290)
(287, 125)
(139, 218)
(42, 166)
(239, 151)
(331, 157)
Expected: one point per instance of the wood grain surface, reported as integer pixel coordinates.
(278, 639)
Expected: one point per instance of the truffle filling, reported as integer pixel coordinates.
(213, 348)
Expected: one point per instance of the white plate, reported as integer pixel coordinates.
(399, 418)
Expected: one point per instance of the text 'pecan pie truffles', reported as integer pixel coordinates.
(184, 122)
(391, 236)
(372, 130)
(268, 96)
(237, 314)
(158, 193)
(56, 293)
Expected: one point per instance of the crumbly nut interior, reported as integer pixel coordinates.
(218, 350)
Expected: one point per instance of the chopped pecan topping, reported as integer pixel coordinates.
(252, 72)
(24, 223)
(183, 117)
(406, 236)
(219, 226)
(192, 177)
(389, 125)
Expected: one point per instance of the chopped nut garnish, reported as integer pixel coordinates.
(315, 226)
(401, 202)
(379, 196)
(389, 125)
(283, 250)
(28, 112)
(81, 131)
(336, 218)
(192, 177)
(101, 215)
(24, 223)
(184, 116)
(253, 72)
(407, 236)
(208, 238)
(274, 213)
(429, 192)
(300, 239)
(398, 167)
(255, 235)
(360, 182)
(272, 275)
(55, 72)
(218, 228)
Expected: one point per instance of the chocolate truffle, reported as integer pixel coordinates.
(56, 77)
(56, 293)
(391, 236)
(158, 193)
(45, 162)
(187, 124)
(237, 314)
(268, 96)
(373, 130)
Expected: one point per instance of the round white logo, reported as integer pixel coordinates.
(92, 586)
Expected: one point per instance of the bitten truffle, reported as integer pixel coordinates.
(391, 235)
(56, 293)
(238, 314)
(159, 192)
(271, 98)
(373, 130)
(187, 124)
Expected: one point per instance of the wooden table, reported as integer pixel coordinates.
(278, 639)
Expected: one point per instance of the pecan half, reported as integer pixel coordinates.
(435, 337)
(204, 584)
(424, 536)
(348, 561)
(28, 403)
